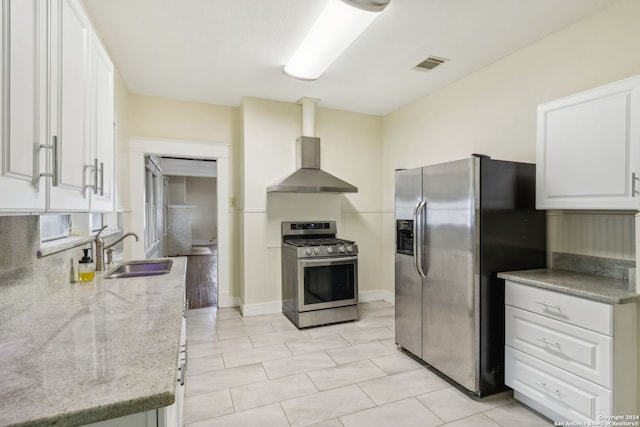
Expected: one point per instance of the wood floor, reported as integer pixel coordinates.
(202, 279)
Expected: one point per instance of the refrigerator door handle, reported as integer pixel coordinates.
(418, 231)
(423, 224)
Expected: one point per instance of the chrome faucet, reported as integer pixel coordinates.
(100, 247)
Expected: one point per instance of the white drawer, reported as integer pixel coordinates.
(585, 313)
(578, 350)
(566, 394)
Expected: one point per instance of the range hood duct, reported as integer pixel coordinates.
(309, 178)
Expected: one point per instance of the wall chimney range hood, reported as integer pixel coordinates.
(309, 178)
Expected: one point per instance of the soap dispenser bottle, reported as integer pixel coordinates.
(86, 268)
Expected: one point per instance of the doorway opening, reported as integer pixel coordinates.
(209, 270)
(192, 224)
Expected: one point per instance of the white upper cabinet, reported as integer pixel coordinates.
(70, 109)
(588, 149)
(102, 128)
(57, 145)
(23, 112)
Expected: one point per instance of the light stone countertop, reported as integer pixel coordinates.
(597, 288)
(93, 351)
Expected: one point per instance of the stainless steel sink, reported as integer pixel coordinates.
(141, 268)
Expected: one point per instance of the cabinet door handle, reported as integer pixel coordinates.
(95, 176)
(633, 184)
(546, 387)
(54, 160)
(544, 340)
(546, 304)
(101, 178)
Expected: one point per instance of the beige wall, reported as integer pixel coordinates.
(150, 116)
(264, 152)
(201, 192)
(493, 111)
(351, 148)
(170, 118)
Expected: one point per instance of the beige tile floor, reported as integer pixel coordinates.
(263, 371)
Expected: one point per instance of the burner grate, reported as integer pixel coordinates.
(317, 242)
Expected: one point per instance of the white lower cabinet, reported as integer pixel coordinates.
(172, 416)
(167, 416)
(570, 358)
(568, 396)
(141, 419)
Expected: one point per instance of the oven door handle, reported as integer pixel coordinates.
(329, 261)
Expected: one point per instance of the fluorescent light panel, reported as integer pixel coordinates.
(335, 29)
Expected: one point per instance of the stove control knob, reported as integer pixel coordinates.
(341, 249)
(316, 251)
(329, 250)
(349, 248)
(308, 251)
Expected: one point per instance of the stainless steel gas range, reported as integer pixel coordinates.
(319, 274)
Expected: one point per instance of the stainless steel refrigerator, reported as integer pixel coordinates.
(457, 225)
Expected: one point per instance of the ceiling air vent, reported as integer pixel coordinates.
(430, 63)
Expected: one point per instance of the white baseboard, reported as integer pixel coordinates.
(204, 242)
(368, 296)
(225, 300)
(260, 309)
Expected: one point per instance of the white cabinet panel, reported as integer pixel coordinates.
(568, 356)
(588, 148)
(577, 350)
(70, 79)
(140, 419)
(566, 394)
(592, 315)
(102, 128)
(57, 110)
(23, 32)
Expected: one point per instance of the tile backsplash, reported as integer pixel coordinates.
(26, 279)
(597, 266)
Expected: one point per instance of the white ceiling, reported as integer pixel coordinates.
(217, 51)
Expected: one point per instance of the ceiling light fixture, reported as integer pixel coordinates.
(339, 24)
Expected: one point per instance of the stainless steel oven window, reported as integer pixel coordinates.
(326, 283)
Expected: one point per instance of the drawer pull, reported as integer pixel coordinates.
(186, 355)
(182, 370)
(546, 304)
(544, 340)
(546, 387)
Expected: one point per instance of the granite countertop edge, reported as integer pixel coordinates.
(104, 413)
(596, 288)
(90, 300)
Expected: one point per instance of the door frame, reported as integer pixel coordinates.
(141, 146)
